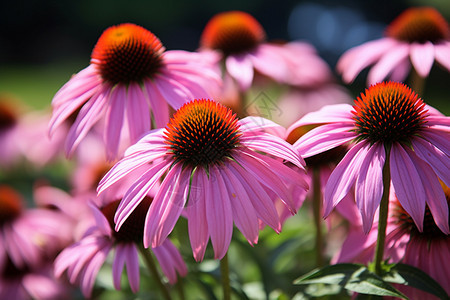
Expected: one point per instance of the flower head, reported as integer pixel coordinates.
(388, 118)
(83, 259)
(130, 79)
(241, 41)
(416, 37)
(212, 165)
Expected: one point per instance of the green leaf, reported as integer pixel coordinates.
(353, 277)
(412, 276)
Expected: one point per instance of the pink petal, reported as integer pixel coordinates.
(158, 104)
(132, 263)
(324, 138)
(90, 272)
(170, 260)
(240, 67)
(138, 112)
(101, 222)
(118, 264)
(196, 214)
(438, 138)
(261, 201)
(407, 183)
(173, 92)
(442, 53)
(422, 57)
(153, 141)
(275, 146)
(114, 120)
(344, 176)
(138, 191)
(434, 157)
(244, 214)
(89, 114)
(387, 63)
(254, 125)
(167, 206)
(218, 213)
(270, 61)
(337, 113)
(369, 184)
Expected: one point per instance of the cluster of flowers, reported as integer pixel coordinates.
(158, 135)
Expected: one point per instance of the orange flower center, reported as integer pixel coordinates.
(388, 112)
(202, 132)
(132, 230)
(127, 53)
(10, 204)
(419, 24)
(232, 32)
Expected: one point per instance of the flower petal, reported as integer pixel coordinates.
(439, 139)
(442, 53)
(344, 175)
(240, 67)
(118, 264)
(387, 63)
(337, 113)
(158, 104)
(422, 57)
(218, 213)
(132, 263)
(114, 120)
(138, 112)
(369, 184)
(407, 182)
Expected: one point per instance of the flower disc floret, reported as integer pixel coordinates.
(127, 53)
(232, 32)
(202, 132)
(388, 112)
(419, 24)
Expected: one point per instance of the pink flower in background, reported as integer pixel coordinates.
(240, 40)
(83, 260)
(386, 116)
(427, 249)
(28, 236)
(417, 37)
(213, 166)
(130, 79)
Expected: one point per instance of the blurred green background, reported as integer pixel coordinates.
(42, 43)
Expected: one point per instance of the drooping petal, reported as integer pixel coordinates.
(91, 270)
(196, 214)
(114, 120)
(253, 125)
(369, 184)
(167, 206)
(261, 201)
(173, 92)
(158, 104)
(442, 53)
(323, 138)
(438, 138)
(344, 176)
(269, 60)
(89, 114)
(138, 112)
(387, 63)
(138, 191)
(434, 157)
(118, 264)
(407, 183)
(240, 67)
(132, 263)
(422, 57)
(337, 113)
(244, 214)
(218, 213)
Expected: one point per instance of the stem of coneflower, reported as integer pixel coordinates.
(383, 215)
(225, 274)
(417, 82)
(317, 204)
(150, 263)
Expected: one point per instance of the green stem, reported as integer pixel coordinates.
(150, 263)
(383, 215)
(180, 288)
(225, 273)
(317, 204)
(416, 82)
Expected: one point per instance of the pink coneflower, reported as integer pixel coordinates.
(212, 163)
(417, 37)
(130, 79)
(427, 249)
(387, 118)
(240, 40)
(28, 235)
(84, 259)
